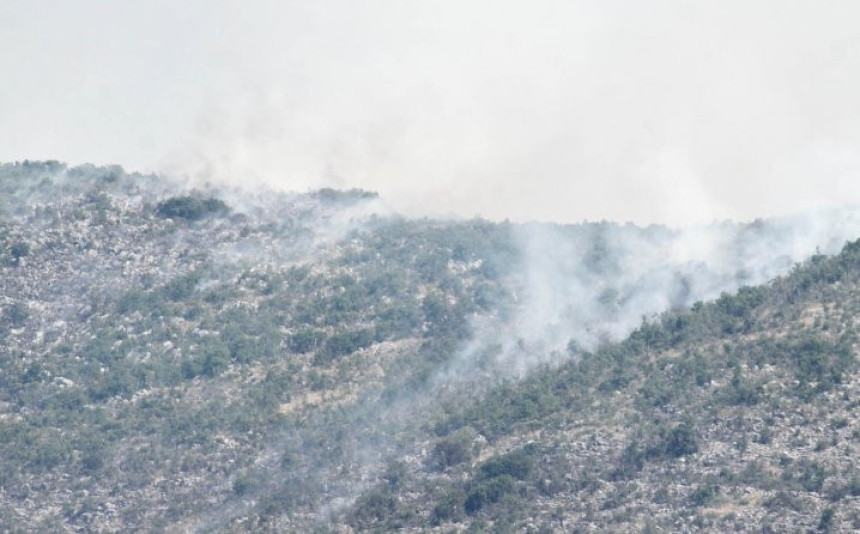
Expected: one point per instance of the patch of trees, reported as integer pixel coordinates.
(380, 509)
(496, 478)
(344, 343)
(191, 208)
(660, 442)
(350, 196)
(19, 250)
(455, 449)
(305, 340)
(15, 315)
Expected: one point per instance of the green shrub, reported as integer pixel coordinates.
(819, 362)
(191, 208)
(344, 343)
(19, 250)
(517, 464)
(490, 491)
(705, 494)
(379, 508)
(454, 449)
(305, 340)
(681, 441)
(181, 287)
(245, 483)
(16, 315)
(449, 508)
(825, 522)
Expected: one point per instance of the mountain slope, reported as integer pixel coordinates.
(738, 415)
(208, 360)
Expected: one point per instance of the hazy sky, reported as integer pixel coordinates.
(651, 111)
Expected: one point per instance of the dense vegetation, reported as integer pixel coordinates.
(738, 412)
(163, 366)
(191, 207)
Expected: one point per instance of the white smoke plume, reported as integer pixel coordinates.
(580, 287)
(656, 111)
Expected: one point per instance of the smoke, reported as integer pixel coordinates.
(582, 286)
(573, 288)
(661, 111)
(647, 112)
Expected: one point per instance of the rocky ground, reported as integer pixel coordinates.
(185, 359)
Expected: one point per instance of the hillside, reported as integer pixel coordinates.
(739, 415)
(217, 360)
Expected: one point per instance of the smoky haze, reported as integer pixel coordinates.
(578, 287)
(659, 111)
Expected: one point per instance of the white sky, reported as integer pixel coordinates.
(651, 111)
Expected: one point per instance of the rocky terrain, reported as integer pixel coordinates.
(206, 360)
(739, 415)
